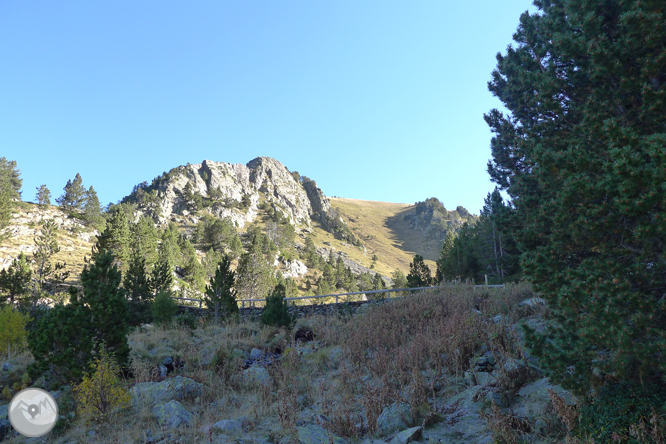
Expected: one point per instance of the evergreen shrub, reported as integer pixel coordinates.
(164, 308)
(610, 415)
(187, 320)
(276, 311)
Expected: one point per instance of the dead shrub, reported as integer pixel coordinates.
(506, 427)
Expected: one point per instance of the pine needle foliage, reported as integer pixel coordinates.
(220, 295)
(276, 311)
(582, 157)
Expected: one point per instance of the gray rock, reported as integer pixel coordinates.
(484, 378)
(393, 418)
(7, 367)
(177, 388)
(172, 415)
(167, 361)
(498, 319)
(533, 399)
(4, 411)
(373, 441)
(231, 425)
(316, 434)
(407, 436)
(163, 371)
(512, 365)
(256, 354)
(256, 375)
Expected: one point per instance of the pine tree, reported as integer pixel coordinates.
(582, 158)
(15, 280)
(74, 196)
(220, 293)
(419, 273)
(254, 274)
(10, 189)
(46, 271)
(137, 288)
(12, 174)
(43, 196)
(145, 237)
(92, 213)
(106, 299)
(162, 274)
(61, 341)
(276, 311)
(116, 239)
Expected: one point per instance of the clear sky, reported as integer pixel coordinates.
(376, 100)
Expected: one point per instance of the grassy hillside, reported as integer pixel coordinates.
(383, 229)
(74, 239)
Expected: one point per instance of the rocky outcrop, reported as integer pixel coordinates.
(228, 185)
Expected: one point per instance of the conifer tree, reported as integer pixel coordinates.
(15, 280)
(10, 189)
(145, 237)
(162, 274)
(419, 273)
(61, 341)
(220, 295)
(137, 288)
(115, 238)
(12, 174)
(582, 157)
(92, 213)
(108, 308)
(43, 196)
(46, 272)
(74, 196)
(276, 311)
(254, 274)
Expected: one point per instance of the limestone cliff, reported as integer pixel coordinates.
(229, 190)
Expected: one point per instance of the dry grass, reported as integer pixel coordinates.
(412, 350)
(74, 239)
(383, 230)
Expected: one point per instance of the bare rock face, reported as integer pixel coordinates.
(262, 179)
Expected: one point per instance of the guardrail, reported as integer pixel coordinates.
(388, 292)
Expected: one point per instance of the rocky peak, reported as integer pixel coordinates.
(234, 191)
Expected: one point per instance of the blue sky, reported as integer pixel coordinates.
(375, 100)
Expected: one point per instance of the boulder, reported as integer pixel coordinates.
(316, 434)
(256, 375)
(178, 388)
(172, 415)
(231, 426)
(393, 418)
(407, 436)
(256, 354)
(533, 399)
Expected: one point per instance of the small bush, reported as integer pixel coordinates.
(276, 311)
(101, 393)
(618, 409)
(164, 308)
(12, 330)
(187, 320)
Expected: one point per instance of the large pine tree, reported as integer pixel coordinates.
(582, 155)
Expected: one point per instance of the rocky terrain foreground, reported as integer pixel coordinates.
(446, 367)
